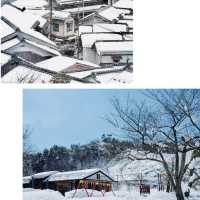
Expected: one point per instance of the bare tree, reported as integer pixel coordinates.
(168, 122)
(27, 149)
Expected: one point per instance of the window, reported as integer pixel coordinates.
(69, 27)
(98, 176)
(116, 58)
(55, 27)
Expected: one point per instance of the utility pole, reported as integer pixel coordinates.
(83, 4)
(50, 19)
(78, 32)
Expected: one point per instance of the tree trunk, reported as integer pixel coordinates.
(179, 192)
(168, 186)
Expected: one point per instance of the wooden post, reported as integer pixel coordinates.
(50, 19)
(33, 182)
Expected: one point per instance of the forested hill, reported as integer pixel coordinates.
(94, 154)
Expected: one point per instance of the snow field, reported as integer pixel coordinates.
(31, 194)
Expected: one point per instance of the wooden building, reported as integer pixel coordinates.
(62, 24)
(94, 179)
(36, 181)
(27, 182)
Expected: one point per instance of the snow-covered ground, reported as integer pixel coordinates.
(30, 194)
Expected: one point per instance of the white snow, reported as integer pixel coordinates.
(39, 12)
(30, 4)
(60, 15)
(102, 27)
(41, 195)
(21, 74)
(17, 17)
(127, 21)
(127, 169)
(119, 77)
(70, 1)
(9, 44)
(26, 179)
(133, 194)
(38, 36)
(85, 8)
(89, 39)
(124, 4)
(60, 63)
(119, 46)
(7, 30)
(46, 48)
(44, 174)
(81, 193)
(85, 29)
(112, 13)
(128, 37)
(72, 175)
(4, 58)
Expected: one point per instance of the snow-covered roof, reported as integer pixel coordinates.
(119, 46)
(85, 29)
(44, 174)
(6, 29)
(38, 36)
(62, 63)
(89, 39)
(85, 74)
(111, 13)
(22, 74)
(13, 42)
(61, 15)
(39, 12)
(18, 17)
(128, 36)
(26, 179)
(71, 1)
(124, 4)
(10, 43)
(85, 8)
(130, 17)
(30, 4)
(72, 175)
(126, 21)
(119, 77)
(46, 48)
(103, 27)
(4, 58)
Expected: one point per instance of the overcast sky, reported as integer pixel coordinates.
(66, 117)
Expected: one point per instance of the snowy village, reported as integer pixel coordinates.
(128, 145)
(66, 41)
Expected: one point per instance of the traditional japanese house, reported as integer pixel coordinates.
(120, 55)
(23, 39)
(107, 14)
(63, 24)
(88, 40)
(94, 179)
(37, 180)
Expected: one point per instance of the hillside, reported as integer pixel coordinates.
(125, 170)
